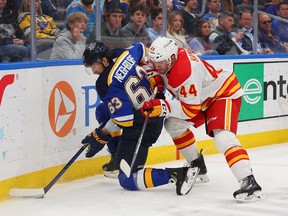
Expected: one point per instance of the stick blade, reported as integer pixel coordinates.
(27, 193)
(124, 166)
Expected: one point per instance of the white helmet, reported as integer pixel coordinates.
(162, 49)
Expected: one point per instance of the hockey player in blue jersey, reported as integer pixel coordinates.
(123, 87)
(102, 116)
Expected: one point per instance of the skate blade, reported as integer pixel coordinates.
(202, 178)
(111, 174)
(192, 175)
(255, 197)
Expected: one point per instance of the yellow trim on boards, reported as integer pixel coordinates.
(160, 154)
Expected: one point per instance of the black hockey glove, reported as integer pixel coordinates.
(96, 140)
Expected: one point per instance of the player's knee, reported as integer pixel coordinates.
(225, 139)
(176, 127)
(127, 183)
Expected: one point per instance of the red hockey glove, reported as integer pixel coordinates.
(156, 81)
(156, 108)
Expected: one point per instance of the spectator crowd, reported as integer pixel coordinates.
(205, 27)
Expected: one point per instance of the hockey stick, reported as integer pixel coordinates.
(123, 163)
(40, 192)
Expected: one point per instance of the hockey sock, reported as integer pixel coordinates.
(185, 143)
(152, 178)
(238, 161)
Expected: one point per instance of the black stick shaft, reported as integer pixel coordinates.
(139, 141)
(48, 187)
(142, 134)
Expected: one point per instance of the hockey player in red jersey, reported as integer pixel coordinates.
(202, 94)
(123, 88)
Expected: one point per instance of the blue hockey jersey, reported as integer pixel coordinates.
(123, 85)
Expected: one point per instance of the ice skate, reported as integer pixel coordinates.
(184, 178)
(110, 168)
(250, 191)
(200, 163)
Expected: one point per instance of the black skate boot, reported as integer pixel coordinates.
(200, 163)
(184, 178)
(250, 191)
(110, 169)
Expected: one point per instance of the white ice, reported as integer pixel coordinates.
(103, 196)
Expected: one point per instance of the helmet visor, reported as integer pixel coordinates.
(159, 63)
(89, 71)
(95, 68)
(161, 67)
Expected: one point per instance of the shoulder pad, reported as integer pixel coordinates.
(181, 70)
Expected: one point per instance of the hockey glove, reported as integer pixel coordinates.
(156, 81)
(96, 140)
(156, 108)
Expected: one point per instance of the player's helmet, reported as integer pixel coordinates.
(162, 49)
(95, 52)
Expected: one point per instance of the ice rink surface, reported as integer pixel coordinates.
(103, 196)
